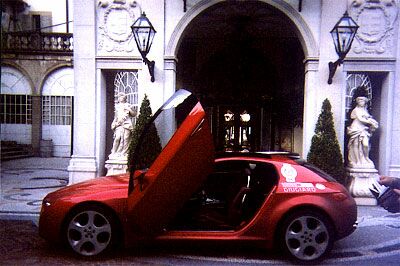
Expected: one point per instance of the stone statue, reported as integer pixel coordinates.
(122, 126)
(360, 131)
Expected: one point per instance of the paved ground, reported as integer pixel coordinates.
(25, 182)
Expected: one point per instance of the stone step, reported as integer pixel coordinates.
(11, 150)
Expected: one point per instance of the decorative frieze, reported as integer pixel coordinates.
(114, 19)
(377, 21)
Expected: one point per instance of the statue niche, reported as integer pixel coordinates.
(360, 132)
(122, 126)
(361, 168)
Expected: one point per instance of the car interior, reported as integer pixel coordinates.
(229, 198)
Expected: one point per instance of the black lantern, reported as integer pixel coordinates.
(144, 33)
(343, 35)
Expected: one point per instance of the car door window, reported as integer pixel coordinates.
(229, 198)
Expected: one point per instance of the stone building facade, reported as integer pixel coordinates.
(260, 68)
(271, 55)
(37, 77)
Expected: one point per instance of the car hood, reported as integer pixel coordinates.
(101, 188)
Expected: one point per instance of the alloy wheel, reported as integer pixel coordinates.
(307, 237)
(89, 232)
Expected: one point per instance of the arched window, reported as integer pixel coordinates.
(127, 82)
(355, 80)
(16, 99)
(57, 110)
(57, 97)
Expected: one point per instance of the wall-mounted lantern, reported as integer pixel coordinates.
(343, 35)
(143, 32)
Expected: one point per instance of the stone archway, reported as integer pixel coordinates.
(226, 56)
(303, 32)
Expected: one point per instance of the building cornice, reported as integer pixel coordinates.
(363, 64)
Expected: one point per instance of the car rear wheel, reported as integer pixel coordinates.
(307, 236)
(90, 230)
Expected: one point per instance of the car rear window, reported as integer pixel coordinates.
(318, 171)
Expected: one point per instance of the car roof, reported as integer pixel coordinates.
(271, 155)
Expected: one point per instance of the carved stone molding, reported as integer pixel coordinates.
(360, 182)
(376, 18)
(114, 19)
(116, 166)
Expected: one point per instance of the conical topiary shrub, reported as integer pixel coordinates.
(151, 147)
(325, 151)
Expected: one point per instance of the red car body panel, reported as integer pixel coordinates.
(265, 223)
(189, 154)
(180, 169)
(110, 191)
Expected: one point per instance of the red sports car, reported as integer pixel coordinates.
(190, 193)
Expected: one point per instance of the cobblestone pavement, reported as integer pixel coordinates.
(20, 244)
(25, 182)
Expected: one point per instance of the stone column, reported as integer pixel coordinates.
(169, 90)
(83, 163)
(393, 111)
(169, 77)
(393, 108)
(36, 124)
(311, 88)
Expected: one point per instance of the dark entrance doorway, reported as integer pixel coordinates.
(235, 127)
(244, 60)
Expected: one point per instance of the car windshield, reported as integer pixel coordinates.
(161, 127)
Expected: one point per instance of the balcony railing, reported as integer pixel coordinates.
(37, 42)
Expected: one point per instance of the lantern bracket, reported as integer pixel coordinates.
(343, 34)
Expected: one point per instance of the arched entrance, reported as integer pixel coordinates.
(57, 109)
(245, 61)
(15, 105)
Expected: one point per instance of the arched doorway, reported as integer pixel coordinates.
(15, 106)
(245, 61)
(57, 110)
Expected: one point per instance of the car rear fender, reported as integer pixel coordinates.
(308, 207)
(285, 207)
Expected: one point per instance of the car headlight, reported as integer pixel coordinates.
(46, 202)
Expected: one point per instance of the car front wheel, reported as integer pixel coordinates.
(90, 231)
(306, 236)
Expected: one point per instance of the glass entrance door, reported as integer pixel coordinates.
(235, 127)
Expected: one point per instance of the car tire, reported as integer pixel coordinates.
(306, 236)
(90, 230)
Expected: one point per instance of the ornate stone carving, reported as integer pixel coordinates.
(376, 18)
(360, 132)
(114, 20)
(122, 126)
(116, 166)
(360, 168)
(360, 182)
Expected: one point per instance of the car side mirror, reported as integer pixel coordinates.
(141, 179)
(138, 175)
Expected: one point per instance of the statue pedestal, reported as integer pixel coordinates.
(360, 182)
(116, 166)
